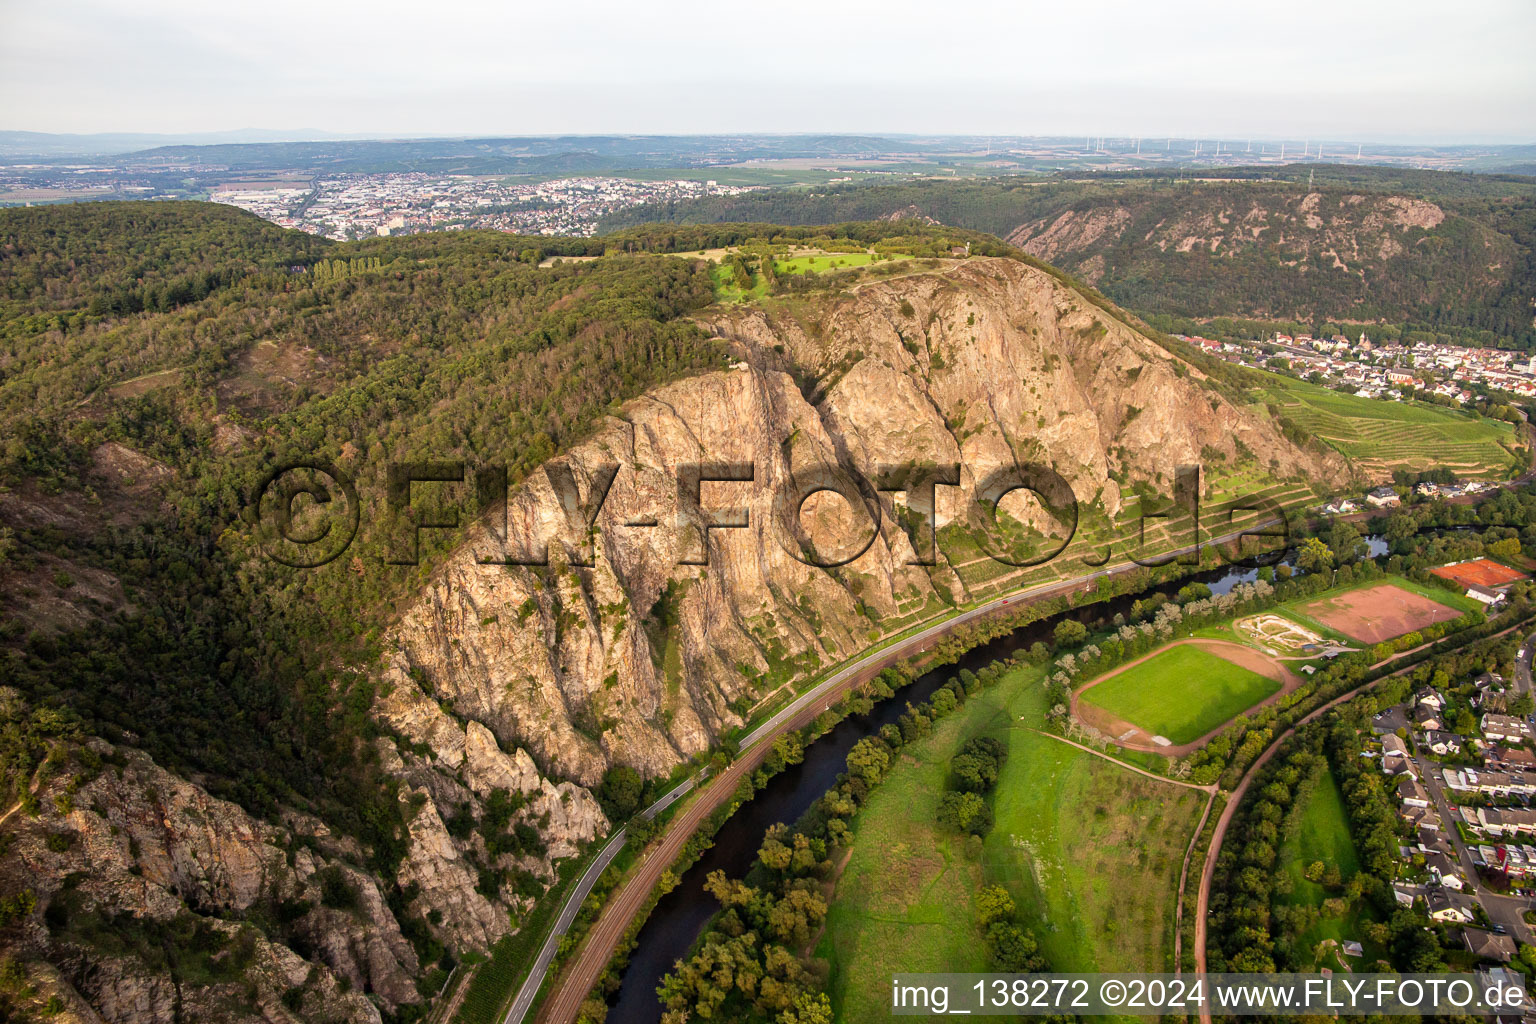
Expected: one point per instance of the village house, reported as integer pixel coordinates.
(1441, 908)
(1506, 821)
(1394, 756)
(1514, 861)
(1510, 757)
(1506, 729)
(1487, 595)
(1411, 794)
(1489, 682)
(1486, 945)
(1426, 717)
(1444, 869)
(1383, 497)
(1430, 697)
(1490, 782)
(1442, 743)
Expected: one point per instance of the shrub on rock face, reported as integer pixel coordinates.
(620, 792)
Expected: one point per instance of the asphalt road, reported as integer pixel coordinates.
(1523, 665)
(519, 1008)
(1508, 911)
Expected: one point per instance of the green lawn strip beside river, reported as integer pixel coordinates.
(1090, 851)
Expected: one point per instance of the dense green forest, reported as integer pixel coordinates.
(98, 259)
(289, 348)
(231, 666)
(1471, 276)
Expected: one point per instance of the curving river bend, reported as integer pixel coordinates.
(680, 916)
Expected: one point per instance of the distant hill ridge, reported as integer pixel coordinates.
(1424, 250)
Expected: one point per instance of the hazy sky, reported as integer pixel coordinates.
(1340, 69)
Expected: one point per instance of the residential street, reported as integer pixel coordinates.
(1502, 910)
(1523, 665)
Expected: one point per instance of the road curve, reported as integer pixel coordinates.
(1208, 875)
(587, 965)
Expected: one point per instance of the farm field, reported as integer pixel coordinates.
(1322, 834)
(1377, 612)
(1383, 436)
(1184, 690)
(1091, 853)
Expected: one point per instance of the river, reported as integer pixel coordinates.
(680, 916)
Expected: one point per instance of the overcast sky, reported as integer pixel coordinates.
(1339, 69)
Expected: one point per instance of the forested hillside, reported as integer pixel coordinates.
(156, 361)
(234, 784)
(1441, 253)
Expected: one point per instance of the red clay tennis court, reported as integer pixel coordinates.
(1484, 572)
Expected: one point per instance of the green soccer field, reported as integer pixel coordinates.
(1181, 693)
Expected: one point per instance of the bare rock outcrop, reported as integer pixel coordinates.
(621, 651)
(128, 857)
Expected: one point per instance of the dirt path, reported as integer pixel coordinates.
(1133, 737)
(33, 785)
(1125, 764)
(1178, 914)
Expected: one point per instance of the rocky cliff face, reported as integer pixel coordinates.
(510, 688)
(641, 660)
(142, 880)
(1273, 251)
(1341, 229)
(456, 769)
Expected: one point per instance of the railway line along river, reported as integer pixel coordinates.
(680, 916)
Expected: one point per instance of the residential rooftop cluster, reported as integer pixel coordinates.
(361, 205)
(1387, 496)
(1465, 777)
(1385, 369)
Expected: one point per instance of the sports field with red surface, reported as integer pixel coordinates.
(1377, 613)
(1484, 572)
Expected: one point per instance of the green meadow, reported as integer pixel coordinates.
(1090, 851)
